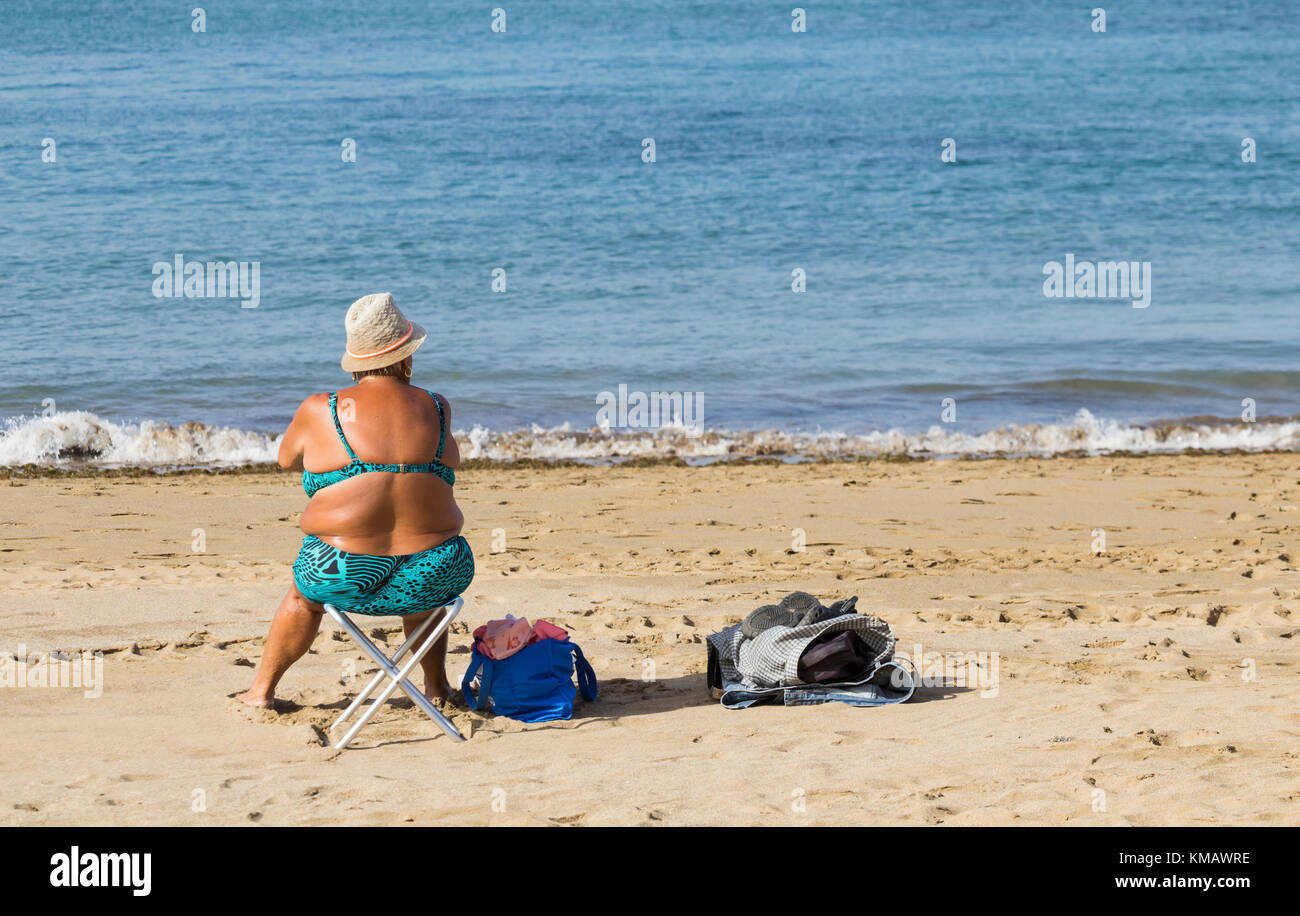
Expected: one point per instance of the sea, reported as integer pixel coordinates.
(829, 229)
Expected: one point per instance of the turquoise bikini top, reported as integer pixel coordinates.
(312, 481)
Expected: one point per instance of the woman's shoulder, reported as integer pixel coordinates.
(312, 408)
(314, 402)
(441, 401)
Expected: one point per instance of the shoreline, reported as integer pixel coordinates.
(77, 440)
(44, 472)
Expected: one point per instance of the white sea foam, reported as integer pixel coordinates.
(1086, 434)
(80, 438)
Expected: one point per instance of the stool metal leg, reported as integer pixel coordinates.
(397, 677)
(379, 676)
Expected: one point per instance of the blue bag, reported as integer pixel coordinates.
(533, 685)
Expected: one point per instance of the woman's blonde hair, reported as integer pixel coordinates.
(400, 370)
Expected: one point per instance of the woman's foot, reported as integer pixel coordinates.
(260, 699)
(441, 692)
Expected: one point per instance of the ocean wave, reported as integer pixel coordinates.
(83, 439)
(80, 438)
(1085, 434)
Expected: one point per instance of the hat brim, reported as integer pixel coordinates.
(362, 364)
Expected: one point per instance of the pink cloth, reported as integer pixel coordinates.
(503, 638)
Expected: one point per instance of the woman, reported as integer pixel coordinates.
(382, 526)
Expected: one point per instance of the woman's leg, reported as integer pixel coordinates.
(434, 663)
(295, 626)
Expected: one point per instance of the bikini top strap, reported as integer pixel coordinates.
(442, 425)
(334, 412)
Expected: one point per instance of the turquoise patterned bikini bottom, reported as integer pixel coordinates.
(361, 584)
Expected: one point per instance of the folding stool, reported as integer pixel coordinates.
(397, 677)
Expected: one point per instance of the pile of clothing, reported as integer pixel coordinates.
(503, 638)
(806, 653)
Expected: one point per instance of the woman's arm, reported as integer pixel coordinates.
(450, 451)
(293, 444)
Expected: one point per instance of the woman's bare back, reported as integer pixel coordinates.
(378, 513)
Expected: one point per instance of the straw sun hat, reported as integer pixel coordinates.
(379, 334)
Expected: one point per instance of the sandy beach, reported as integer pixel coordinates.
(1152, 683)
